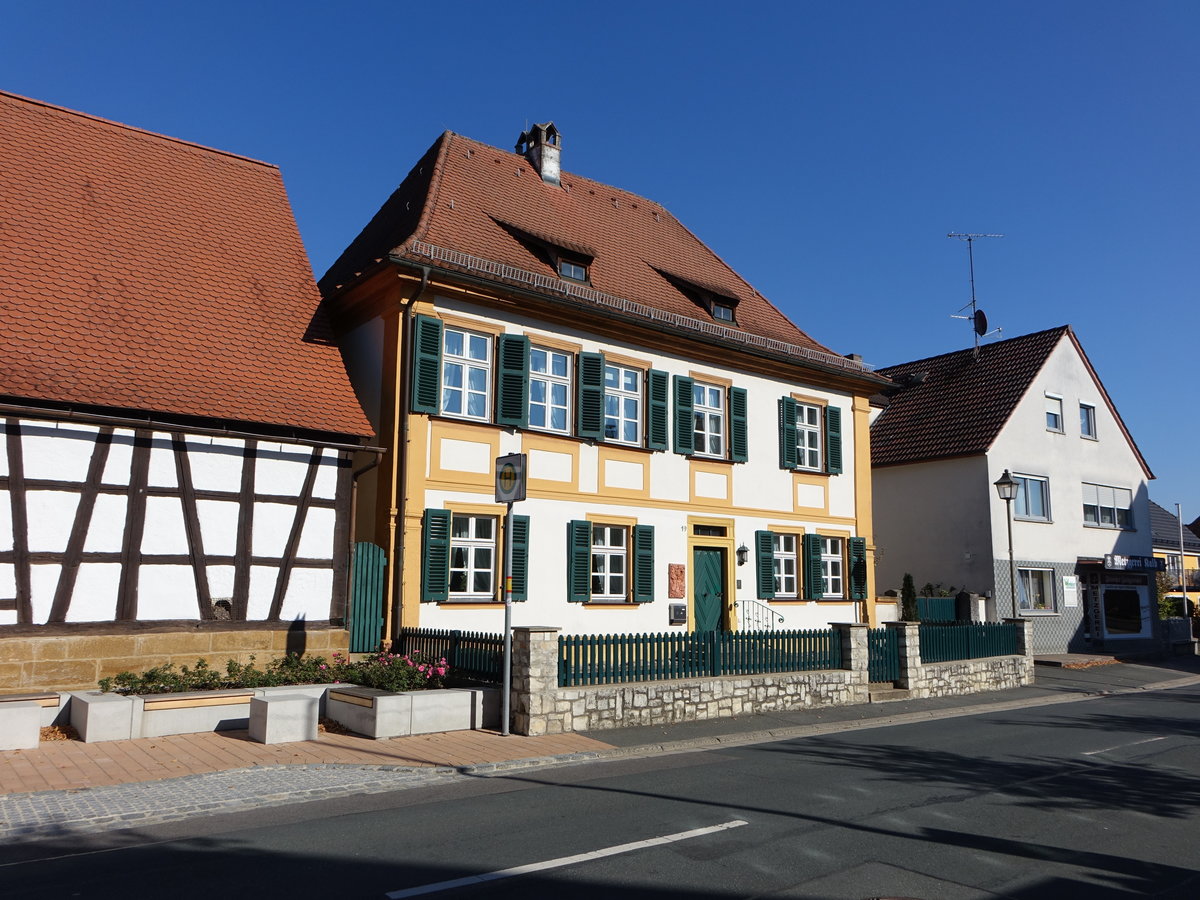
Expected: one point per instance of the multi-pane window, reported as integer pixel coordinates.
(1107, 507)
(722, 312)
(472, 556)
(1035, 588)
(831, 567)
(1087, 420)
(1033, 498)
(708, 416)
(808, 436)
(466, 373)
(549, 389)
(609, 562)
(1054, 413)
(785, 565)
(622, 404)
(572, 270)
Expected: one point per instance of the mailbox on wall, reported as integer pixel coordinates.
(678, 613)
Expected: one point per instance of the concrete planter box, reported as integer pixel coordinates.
(101, 717)
(384, 714)
(157, 715)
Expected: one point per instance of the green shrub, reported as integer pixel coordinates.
(908, 599)
(383, 670)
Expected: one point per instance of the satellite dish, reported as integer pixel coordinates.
(980, 323)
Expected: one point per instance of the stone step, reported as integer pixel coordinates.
(889, 695)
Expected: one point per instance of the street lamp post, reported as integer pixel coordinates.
(1006, 488)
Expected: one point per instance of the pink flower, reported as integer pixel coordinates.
(441, 670)
(322, 666)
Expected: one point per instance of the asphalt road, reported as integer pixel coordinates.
(1092, 800)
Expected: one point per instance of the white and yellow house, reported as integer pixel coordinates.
(694, 460)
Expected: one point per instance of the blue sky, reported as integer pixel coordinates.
(823, 149)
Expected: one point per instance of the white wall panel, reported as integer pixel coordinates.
(120, 458)
(216, 464)
(281, 473)
(8, 580)
(272, 525)
(59, 453)
(325, 485)
(220, 582)
(167, 592)
(3, 451)
(466, 456)
(95, 596)
(218, 526)
(43, 581)
(162, 463)
(51, 514)
(6, 534)
(316, 538)
(8, 617)
(107, 527)
(164, 531)
(262, 591)
(308, 595)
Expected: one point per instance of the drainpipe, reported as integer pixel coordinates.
(401, 403)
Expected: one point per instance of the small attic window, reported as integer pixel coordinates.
(572, 270)
(722, 312)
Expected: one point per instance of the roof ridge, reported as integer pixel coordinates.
(1062, 329)
(127, 127)
(435, 185)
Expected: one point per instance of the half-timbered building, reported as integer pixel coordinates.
(176, 424)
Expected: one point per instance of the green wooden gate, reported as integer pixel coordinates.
(366, 598)
(883, 654)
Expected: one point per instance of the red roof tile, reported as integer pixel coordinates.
(140, 272)
(469, 198)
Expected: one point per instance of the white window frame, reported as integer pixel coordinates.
(606, 552)
(623, 397)
(1022, 499)
(471, 543)
(722, 312)
(1106, 500)
(1024, 602)
(465, 364)
(787, 581)
(549, 380)
(1087, 421)
(708, 420)
(810, 436)
(1054, 413)
(833, 568)
(572, 271)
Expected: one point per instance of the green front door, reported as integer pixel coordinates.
(708, 588)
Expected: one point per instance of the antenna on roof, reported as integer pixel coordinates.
(977, 318)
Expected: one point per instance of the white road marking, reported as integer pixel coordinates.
(1122, 746)
(562, 861)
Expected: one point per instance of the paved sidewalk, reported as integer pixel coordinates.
(66, 787)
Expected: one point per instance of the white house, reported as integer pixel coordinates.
(1032, 406)
(694, 459)
(176, 427)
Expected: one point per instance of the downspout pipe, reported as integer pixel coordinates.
(401, 404)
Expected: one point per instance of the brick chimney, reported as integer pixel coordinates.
(542, 146)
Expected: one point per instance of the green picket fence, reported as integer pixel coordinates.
(470, 654)
(936, 609)
(589, 659)
(883, 655)
(945, 643)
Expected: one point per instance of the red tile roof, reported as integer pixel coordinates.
(139, 272)
(467, 198)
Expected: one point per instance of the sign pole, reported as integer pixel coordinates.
(508, 560)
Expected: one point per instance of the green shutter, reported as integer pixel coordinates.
(643, 563)
(814, 581)
(427, 365)
(520, 558)
(590, 397)
(512, 382)
(579, 561)
(435, 557)
(858, 568)
(787, 433)
(657, 389)
(764, 562)
(833, 440)
(738, 440)
(685, 427)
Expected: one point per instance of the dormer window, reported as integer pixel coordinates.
(572, 270)
(722, 312)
